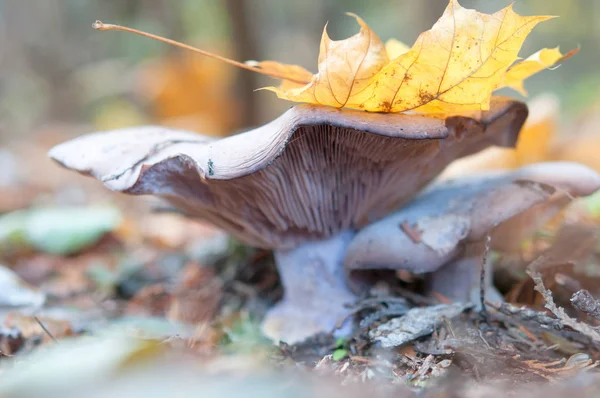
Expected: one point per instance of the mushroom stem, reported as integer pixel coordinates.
(459, 280)
(315, 291)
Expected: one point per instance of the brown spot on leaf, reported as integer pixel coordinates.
(425, 97)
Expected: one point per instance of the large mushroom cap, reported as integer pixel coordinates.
(452, 213)
(309, 174)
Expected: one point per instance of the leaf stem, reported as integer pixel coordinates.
(98, 25)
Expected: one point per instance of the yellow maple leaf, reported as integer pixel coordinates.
(346, 67)
(395, 48)
(296, 75)
(535, 63)
(451, 68)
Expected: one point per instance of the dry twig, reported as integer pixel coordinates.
(527, 314)
(45, 329)
(484, 260)
(559, 312)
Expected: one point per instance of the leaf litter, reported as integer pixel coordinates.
(208, 311)
(227, 288)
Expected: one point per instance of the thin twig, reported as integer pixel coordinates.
(483, 339)
(559, 312)
(45, 329)
(98, 25)
(484, 260)
(428, 362)
(527, 314)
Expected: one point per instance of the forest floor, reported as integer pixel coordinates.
(105, 295)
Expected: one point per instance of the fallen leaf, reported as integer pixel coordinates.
(535, 63)
(57, 230)
(452, 68)
(84, 360)
(295, 73)
(346, 68)
(533, 145)
(195, 306)
(395, 48)
(339, 354)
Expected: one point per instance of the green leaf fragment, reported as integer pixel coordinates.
(60, 231)
(340, 354)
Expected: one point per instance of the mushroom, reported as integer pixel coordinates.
(301, 185)
(450, 220)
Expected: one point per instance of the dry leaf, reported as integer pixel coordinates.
(452, 68)
(395, 48)
(537, 62)
(346, 68)
(296, 73)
